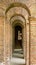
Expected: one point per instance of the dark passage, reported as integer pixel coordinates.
(18, 48)
(18, 37)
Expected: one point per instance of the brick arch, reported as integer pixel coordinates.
(18, 5)
(18, 22)
(18, 15)
(22, 22)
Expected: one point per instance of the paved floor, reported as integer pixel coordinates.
(17, 61)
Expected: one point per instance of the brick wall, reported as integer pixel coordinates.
(1, 39)
(33, 42)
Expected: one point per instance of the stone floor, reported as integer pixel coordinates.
(14, 61)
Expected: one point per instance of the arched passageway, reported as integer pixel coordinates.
(18, 41)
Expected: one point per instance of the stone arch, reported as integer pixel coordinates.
(18, 15)
(18, 5)
(19, 22)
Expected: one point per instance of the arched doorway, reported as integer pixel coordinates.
(18, 41)
(18, 44)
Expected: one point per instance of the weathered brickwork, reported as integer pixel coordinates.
(1, 38)
(33, 42)
(7, 30)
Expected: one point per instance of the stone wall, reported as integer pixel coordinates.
(6, 33)
(33, 42)
(1, 39)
